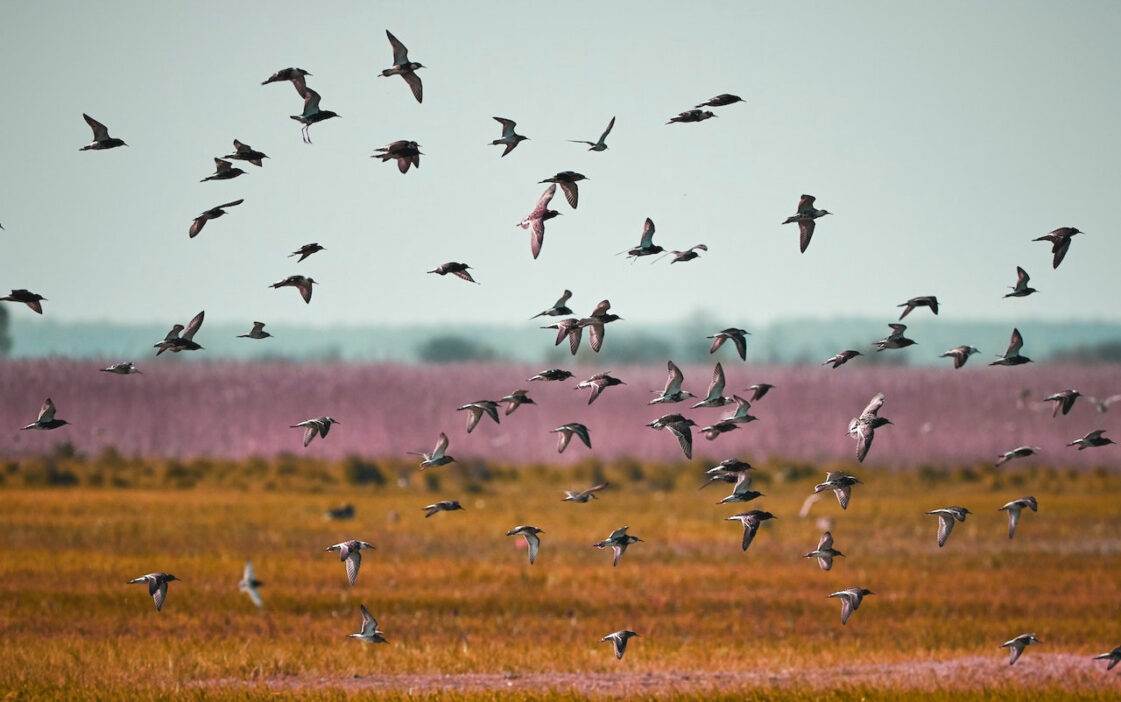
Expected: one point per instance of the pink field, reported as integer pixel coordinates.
(175, 409)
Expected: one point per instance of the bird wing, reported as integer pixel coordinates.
(534, 542)
(369, 624)
(873, 406)
(684, 437)
(507, 126)
(353, 563)
(582, 431)
(741, 345)
(1013, 518)
(441, 446)
(673, 382)
(602, 308)
(571, 193)
(595, 336)
(474, 414)
(806, 232)
(717, 342)
(46, 412)
(825, 542)
(610, 126)
(193, 326)
(647, 234)
(864, 435)
(1015, 344)
(158, 592)
(806, 204)
(564, 436)
(945, 526)
(305, 290)
(311, 101)
(843, 494)
(400, 53)
(846, 607)
(716, 385)
(618, 533)
(563, 299)
(618, 553)
(620, 644)
(749, 529)
(1022, 278)
(543, 202)
(1059, 248)
(414, 84)
(235, 203)
(100, 131)
(221, 165)
(310, 430)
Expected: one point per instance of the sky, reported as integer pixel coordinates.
(943, 137)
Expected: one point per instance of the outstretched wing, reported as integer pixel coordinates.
(400, 53)
(647, 233)
(193, 326)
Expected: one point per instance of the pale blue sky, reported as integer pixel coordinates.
(945, 136)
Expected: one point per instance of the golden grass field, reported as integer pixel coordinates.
(468, 618)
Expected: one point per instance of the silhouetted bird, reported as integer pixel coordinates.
(301, 283)
(223, 170)
(688, 254)
(516, 399)
(751, 521)
(1021, 289)
(1018, 644)
(925, 301)
(311, 114)
(403, 67)
(646, 246)
(32, 300)
(245, 152)
(894, 340)
(567, 181)
(157, 586)
(532, 540)
(840, 484)
(583, 495)
(595, 323)
(850, 601)
(805, 217)
(509, 138)
(825, 553)
(691, 116)
(1015, 508)
(863, 428)
(552, 374)
(842, 358)
(441, 506)
(1063, 400)
(566, 432)
(738, 337)
(598, 383)
(619, 640)
(249, 584)
(101, 138)
(350, 553)
(370, 632)
(946, 517)
(459, 270)
(306, 250)
(672, 392)
(174, 342)
(618, 542)
(476, 410)
(406, 153)
(437, 458)
(1021, 452)
(601, 144)
(46, 419)
(559, 308)
(123, 368)
(1060, 243)
(721, 100)
(257, 332)
(1093, 439)
(212, 213)
(960, 354)
(535, 220)
(1012, 355)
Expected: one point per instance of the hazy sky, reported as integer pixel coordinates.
(944, 137)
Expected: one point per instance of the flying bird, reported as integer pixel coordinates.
(1012, 355)
(535, 220)
(46, 419)
(1021, 289)
(566, 431)
(688, 254)
(350, 553)
(176, 342)
(311, 114)
(805, 217)
(925, 301)
(245, 152)
(596, 321)
(960, 354)
(601, 144)
(691, 116)
(894, 340)
(1060, 243)
(249, 584)
(1063, 400)
(437, 457)
(212, 213)
(715, 396)
(223, 170)
(1093, 439)
(618, 542)
(679, 426)
(842, 358)
(403, 67)
(509, 138)
(316, 426)
(101, 138)
(459, 270)
(441, 506)
(1103, 405)
(32, 300)
(825, 553)
(284, 74)
(559, 308)
(721, 100)
(257, 332)
(863, 428)
(301, 283)
(571, 329)
(1015, 508)
(672, 392)
(406, 153)
(850, 601)
(751, 521)
(1020, 452)
(516, 399)
(840, 484)
(123, 368)
(1018, 644)
(741, 491)
(598, 383)
(567, 181)
(738, 337)
(306, 250)
(583, 496)
(532, 540)
(476, 410)
(1114, 657)
(552, 374)
(760, 389)
(370, 632)
(946, 518)
(646, 246)
(619, 640)
(157, 586)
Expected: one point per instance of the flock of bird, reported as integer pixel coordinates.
(733, 471)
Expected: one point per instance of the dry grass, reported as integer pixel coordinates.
(457, 597)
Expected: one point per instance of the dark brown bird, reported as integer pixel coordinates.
(459, 270)
(567, 181)
(691, 116)
(842, 358)
(301, 283)
(805, 217)
(595, 323)
(1060, 243)
(1012, 355)
(925, 301)
(406, 153)
(307, 250)
(245, 152)
(721, 100)
(212, 213)
(598, 383)
(32, 300)
(223, 170)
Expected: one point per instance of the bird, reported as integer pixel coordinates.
(552, 374)
(1018, 644)
(1012, 355)
(286, 74)
(1093, 439)
(715, 396)
(595, 323)
(406, 153)
(960, 354)
(601, 143)
(742, 491)
(476, 410)
(688, 254)
(442, 506)
(598, 383)
(1015, 508)
(825, 553)
(535, 220)
(946, 518)
(646, 246)
(805, 216)
(123, 368)
(751, 521)
(894, 340)
(32, 300)
(619, 640)
(842, 358)
(583, 496)
(566, 431)
(1021, 289)
(1019, 452)
(759, 390)
(679, 426)
(691, 116)
(567, 181)
(721, 100)
(559, 308)
(370, 632)
(731, 423)
(311, 114)
(350, 552)
(403, 67)
(532, 540)
(1060, 243)
(1063, 400)
(315, 426)
(840, 484)
(1114, 657)
(618, 542)
(345, 511)
(516, 399)
(925, 301)
(101, 138)
(176, 342)
(738, 337)
(249, 584)
(850, 601)
(212, 213)
(459, 270)
(257, 332)
(306, 250)
(863, 428)
(568, 328)
(730, 470)
(46, 419)
(509, 137)
(672, 391)
(437, 457)
(157, 586)
(223, 170)
(245, 152)
(300, 282)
